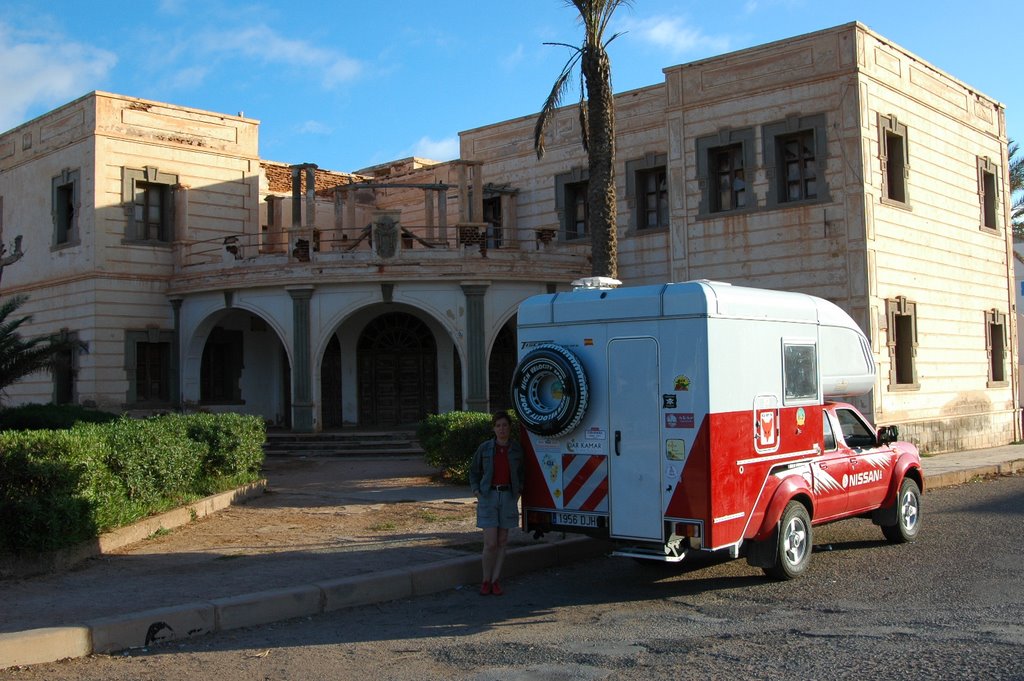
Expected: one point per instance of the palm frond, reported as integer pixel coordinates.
(552, 102)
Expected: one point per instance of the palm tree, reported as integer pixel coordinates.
(20, 357)
(1016, 189)
(597, 126)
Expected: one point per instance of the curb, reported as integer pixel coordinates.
(141, 629)
(958, 477)
(63, 559)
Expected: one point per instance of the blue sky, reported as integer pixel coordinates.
(348, 85)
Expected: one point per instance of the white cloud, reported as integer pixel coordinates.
(314, 128)
(675, 35)
(45, 70)
(190, 77)
(437, 150)
(510, 61)
(268, 46)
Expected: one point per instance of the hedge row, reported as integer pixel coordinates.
(61, 487)
(449, 440)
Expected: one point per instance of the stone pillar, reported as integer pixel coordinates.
(181, 212)
(302, 399)
(428, 213)
(442, 216)
(476, 347)
(175, 370)
(296, 197)
(478, 192)
(464, 207)
(310, 195)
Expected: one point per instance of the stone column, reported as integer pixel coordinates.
(478, 192)
(175, 370)
(476, 347)
(302, 399)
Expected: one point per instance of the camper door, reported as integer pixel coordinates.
(634, 480)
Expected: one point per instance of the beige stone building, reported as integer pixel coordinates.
(834, 163)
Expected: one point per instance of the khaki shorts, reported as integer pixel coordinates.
(497, 509)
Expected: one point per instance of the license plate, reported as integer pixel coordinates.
(576, 519)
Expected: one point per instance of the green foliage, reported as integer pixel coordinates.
(60, 487)
(50, 416)
(19, 356)
(449, 440)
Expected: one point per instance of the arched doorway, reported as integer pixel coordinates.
(397, 363)
(330, 386)
(502, 366)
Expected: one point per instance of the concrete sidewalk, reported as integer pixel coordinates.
(139, 598)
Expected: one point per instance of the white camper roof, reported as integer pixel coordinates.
(700, 298)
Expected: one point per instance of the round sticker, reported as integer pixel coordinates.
(800, 416)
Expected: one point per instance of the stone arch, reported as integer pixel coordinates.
(235, 360)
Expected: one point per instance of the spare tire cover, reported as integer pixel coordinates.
(549, 391)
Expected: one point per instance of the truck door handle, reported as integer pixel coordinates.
(618, 440)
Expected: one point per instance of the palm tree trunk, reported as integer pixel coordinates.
(601, 160)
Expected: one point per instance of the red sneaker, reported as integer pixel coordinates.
(485, 588)
(496, 589)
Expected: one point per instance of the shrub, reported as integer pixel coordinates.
(59, 487)
(449, 440)
(50, 416)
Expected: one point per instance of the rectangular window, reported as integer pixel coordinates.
(995, 341)
(902, 343)
(728, 176)
(795, 151)
(150, 211)
(492, 216)
(652, 196)
(892, 143)
(64, 370)
(797, 166)
(65, 196)
(988, 193)
(152, 368)
(576, 212)
(149, 197)
(725, 167)
(800, 369)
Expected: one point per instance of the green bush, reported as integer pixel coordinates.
(449, 440)
(50, 416)
(59, 487)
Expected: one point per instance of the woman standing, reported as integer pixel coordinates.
(496, 479)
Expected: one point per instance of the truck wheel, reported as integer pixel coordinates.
(549, 391)
(908, 514)
(792, 543)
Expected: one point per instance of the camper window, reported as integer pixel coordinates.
(800, 368)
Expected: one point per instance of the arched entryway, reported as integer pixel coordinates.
(501, 366)
(330, 386)
(397, 371)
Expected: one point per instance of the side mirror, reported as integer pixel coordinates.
(887, 434)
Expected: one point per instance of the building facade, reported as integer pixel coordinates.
(834, 163)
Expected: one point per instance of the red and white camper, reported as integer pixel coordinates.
(698, 416)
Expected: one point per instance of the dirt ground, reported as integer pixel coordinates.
(313, 504)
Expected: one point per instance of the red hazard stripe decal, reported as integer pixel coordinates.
(597, 497)
(590, 466)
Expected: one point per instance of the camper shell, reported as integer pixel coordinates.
(700, 416)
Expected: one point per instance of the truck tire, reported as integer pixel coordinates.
(549, 391)
(908, 514)
(793, 542)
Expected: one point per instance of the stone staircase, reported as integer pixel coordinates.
(345, 443)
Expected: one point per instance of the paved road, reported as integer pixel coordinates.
(949, 606)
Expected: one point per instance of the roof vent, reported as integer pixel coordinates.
(598, 283)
